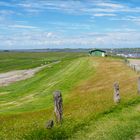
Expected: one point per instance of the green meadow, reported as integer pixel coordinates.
(86, 84)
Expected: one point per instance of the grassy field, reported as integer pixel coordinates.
(24, 60)
(87, 87)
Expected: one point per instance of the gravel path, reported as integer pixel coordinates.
(135, 61)
(135, 64)
(18, 75)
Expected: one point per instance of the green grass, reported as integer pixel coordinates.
(119, 123)
(24, 60)
(25, 95)
(89, 112)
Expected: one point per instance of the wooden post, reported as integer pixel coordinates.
(134, 67)
(138, 85)
(116, 92)
(58, 106)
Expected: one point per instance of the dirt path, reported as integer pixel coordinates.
(134, 61)
(134, 64)
(18, 75)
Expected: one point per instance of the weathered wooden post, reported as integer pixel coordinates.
(58, 106)
(139, 85)
(134, 68)
(116, 92)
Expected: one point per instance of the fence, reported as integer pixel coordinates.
(135, 65)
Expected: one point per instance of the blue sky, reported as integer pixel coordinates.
(27, 24)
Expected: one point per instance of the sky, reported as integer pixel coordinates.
(38, 24)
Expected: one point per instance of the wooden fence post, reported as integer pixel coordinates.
(138, 85)
(58, 106)
(116, 92)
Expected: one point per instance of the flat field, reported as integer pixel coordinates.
(86, 84)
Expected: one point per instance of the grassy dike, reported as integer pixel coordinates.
(89, 111)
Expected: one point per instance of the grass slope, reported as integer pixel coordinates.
(89, 111)
(36, 93)
(122, 123)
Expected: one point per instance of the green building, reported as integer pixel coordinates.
(97, 52)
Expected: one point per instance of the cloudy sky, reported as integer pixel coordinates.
(26, 24)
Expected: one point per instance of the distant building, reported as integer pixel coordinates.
(97, 52)
(122, 55)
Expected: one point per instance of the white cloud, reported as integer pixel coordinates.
(110, 5)
(77, 7)
(49, 39)
(22, 26)
(93, 8)
(6, 12)
(133, 19)
(96, 8)
(72, 7)
(104, 15)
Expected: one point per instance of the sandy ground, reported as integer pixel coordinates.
(18, 75)
(135, 61)
(135, 64)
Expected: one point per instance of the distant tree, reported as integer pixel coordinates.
(6, 51)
